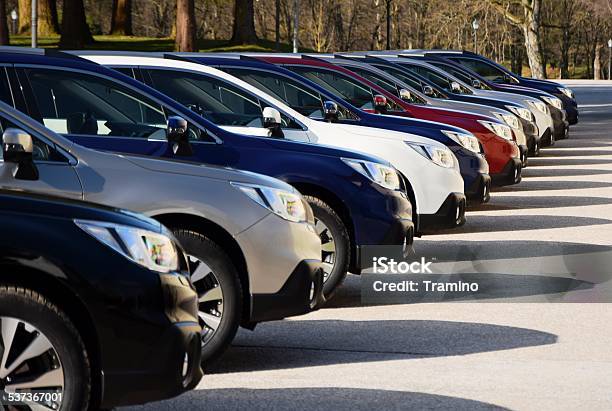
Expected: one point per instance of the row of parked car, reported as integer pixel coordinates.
(264, 180)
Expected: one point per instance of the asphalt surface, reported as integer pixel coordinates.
(546, 346)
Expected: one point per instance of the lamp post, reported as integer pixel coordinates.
(34, 24)
(609, 56)
(475, 26)
(14, 20)
(296, 24)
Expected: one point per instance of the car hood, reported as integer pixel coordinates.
(372, 132)
(205, 171)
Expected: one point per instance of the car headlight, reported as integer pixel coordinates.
(152, 250)
(381, 174)
(501, 130)
(522, 112)
(466, 140)
(509, 119)
(540, 106)
(288, 205)
(554, 101)
(441, 156)
(568, 92)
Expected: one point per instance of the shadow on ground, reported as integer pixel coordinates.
(496, 223)
(314, 399)
(501, 202)
(535, 185)
(331, 342)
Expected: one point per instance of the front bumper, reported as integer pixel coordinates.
(401, 233)
(511, 174)
(571, 108)
(480, 190)
(172, 339)
(473, 167)
(301, 294)
(561, 125)
(450, 215)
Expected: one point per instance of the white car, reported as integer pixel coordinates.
(430, 167)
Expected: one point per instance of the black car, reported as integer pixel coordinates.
(96, 308)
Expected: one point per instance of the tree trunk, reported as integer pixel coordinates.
(75, 31)
(24, 10)
(531, 31)
(277, 25)
(4, 33)
(244, 23)
(48, 24)
(597, 63)
(121, 22)
(185, 25)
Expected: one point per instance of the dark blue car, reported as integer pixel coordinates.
(103, 109)
(474, 168)
(496, 73)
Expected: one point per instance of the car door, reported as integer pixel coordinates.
(94, 110)
(230, 107)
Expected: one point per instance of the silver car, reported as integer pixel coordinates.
(254, 253)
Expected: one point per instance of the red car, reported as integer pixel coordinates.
(497, 139)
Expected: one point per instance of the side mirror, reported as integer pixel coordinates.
(177, 135)
(428, 91)
(330, 111)
(476, 83)
(405, 95)
(17, 148)
(380, 103)
(455, 87)
(272, 121)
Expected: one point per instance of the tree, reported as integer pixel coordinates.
(529, 23)
(48, 24)
(4, 34)
(244, 23)
(75, 31)
(185, 25)
(121, 22)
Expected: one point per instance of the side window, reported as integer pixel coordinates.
(76, 103)
(215, 100)
(486, 70)
(5, 91)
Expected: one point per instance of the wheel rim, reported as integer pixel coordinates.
(328, 248)
(29, 363)
(210, 297)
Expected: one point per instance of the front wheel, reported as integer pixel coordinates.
(219, 291)
(335, 245)
(41, 353)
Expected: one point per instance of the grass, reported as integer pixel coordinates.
(130, 43)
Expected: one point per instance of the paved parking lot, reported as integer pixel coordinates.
(518, 355)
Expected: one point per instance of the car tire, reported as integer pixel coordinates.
(331, 229)
(202, 250)
(21, 309)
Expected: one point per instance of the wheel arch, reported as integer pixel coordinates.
(222, 238)
(331, 199)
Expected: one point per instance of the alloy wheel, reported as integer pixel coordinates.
(210, 297)
(29, 367)
(328, 248)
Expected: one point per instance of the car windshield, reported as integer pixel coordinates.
(415, 83)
